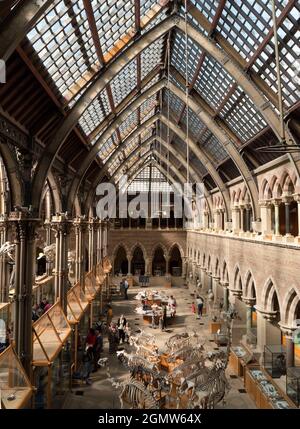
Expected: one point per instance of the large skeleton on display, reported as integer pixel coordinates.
(209, 387)
(9, 249)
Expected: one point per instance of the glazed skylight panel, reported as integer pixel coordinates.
(129, 124)
(95, 113)
(125, 82)
(149, 16)
(213, 147)
(196, 127)
(178, 55)
(213, 82)
(207, 8)
(63, 41)
(245, 23)
(289, 42)
(154, 80)
(147, 109)
(114, 20)
(242, 117)
(175, 103)
(151, 56)
(106, 149)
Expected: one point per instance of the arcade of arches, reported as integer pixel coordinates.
(94, 90)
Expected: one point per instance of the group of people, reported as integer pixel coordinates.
(118, 333)
(91, 354)
(124, 286)
(39, 309)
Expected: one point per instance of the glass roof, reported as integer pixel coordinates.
(76, 40)
(150, 179)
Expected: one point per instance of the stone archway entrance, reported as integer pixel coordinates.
(121, 262)
(159, 262)
(138, 262)
(175, 262)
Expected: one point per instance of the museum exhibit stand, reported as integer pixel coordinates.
(15, 387)
(274, 360)
(43, 288)
(262, 389)
(293, 384)
(51, 355)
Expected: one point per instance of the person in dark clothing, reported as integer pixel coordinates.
(164, 317)
(113, 338)
(88, 361)
(126, 286)
(98, 348)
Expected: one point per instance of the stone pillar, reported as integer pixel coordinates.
(235, 220)
(99, 243)
(4, 282)
(261, 331)
(184, 267)
(129, 265)
(91, 230)
(287, 201)
(290, 351)
(276, 203)
(266, 219)
(105, 239)
(242, 226)
(297, 198)
(167, 266)
(214, 287)
(24, 227)
(225, 295)
(148, 268)
(61, 225)
(248, 218)
(49, 264)
(80, 229)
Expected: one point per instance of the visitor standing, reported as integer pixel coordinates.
(126, 287)
(200, 303)
(113, 338)
(109, 316)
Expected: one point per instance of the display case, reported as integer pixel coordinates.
(5, 325)
(263, 391)
(77, 303)
(293, 384)
(239, 357)
(43, 288)
(50, 333)
(275, 360)
(106, 264)
(91, 286)
(15, 387)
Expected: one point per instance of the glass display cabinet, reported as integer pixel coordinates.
(5, 325)
(15, 387)
(275, 360)
(43, 288)
(91, 286)
(50, 336)
(293, 384)
(107, 266)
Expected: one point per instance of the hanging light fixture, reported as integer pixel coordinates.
(282, 146)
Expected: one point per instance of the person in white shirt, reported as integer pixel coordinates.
(126, 286)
